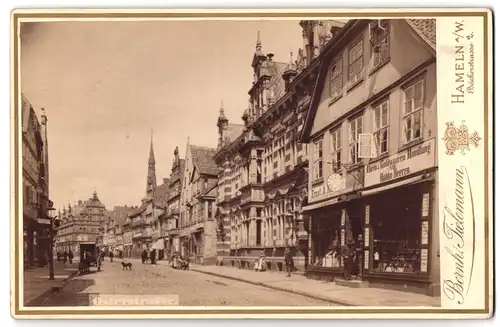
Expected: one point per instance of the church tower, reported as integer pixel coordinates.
(151, 181)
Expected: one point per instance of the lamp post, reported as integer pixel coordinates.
(53, 223)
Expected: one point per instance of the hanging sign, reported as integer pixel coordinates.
(367, 259)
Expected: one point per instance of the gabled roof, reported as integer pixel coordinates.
(161, 194)
(120, 214)
(202, 158)
(424, 28)
(139, 210)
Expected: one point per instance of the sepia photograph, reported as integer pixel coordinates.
(241, 163)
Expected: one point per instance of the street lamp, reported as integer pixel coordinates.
(54, 222)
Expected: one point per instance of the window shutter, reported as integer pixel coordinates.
(366, 146)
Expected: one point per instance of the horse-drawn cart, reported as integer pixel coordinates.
(89, 257)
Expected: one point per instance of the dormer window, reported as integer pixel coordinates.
(336, 80)
(356, 62)
(379, 42)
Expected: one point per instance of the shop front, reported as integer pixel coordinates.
(391, 222)
(331, 225)
(401, 236)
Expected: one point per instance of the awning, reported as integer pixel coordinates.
(159, 244)
(321, 204)
(413, 180)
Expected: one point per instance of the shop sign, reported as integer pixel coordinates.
(367, 215)
(423, 260)
(335, 185)
(425, 205)
(425, 232)
(402, 164)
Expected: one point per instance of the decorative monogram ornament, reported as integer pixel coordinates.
(459, 138)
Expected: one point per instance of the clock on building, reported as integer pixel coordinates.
(336, 182)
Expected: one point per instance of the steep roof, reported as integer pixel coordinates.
(426, 29)
(202, 158)
(138, 210)
(161, 194)
(120, 214)
(182, 164)
(275, 69)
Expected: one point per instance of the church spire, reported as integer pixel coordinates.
(151, 179)
(151, 152)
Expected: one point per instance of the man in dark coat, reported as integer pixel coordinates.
(111, 255)
(70, 256)
(348, 256)
(153, 256)
(289, 261)
(144, 256)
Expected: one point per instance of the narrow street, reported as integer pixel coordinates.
(192, 288)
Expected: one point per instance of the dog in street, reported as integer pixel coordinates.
(126, 265)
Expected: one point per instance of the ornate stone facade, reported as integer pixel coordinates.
(263, 169)
(81, 223)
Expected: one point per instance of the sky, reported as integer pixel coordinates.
(107, 86)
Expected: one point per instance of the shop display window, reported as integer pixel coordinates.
(326, 248)
(396, 229)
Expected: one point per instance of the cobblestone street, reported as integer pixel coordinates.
(193, 288)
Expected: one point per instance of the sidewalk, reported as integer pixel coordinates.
(37, 285)
(321, 290)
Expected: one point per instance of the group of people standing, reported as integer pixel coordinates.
(65, 256)
(148, 255)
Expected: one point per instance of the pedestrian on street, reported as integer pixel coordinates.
(348, 256)
(153, 256)
(359, 254)
(289, 261)
(144, 256)
(70, 256)
(58, 256)
(111, 255)
(65, 256)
